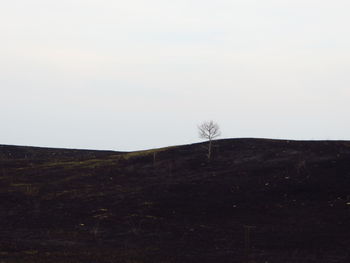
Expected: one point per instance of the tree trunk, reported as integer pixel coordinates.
(209, 150)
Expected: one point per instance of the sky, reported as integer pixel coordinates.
(141, 74)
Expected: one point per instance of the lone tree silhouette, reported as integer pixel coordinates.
(209, 130)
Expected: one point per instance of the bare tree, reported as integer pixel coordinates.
(209, 130)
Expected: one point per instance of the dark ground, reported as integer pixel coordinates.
(172, 205)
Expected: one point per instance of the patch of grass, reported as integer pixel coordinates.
(144, 153)
(27, 189)
(87, 164)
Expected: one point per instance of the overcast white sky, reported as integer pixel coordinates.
(138, 74)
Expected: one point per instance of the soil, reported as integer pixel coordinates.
(256, 200)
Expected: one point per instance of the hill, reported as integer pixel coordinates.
(172, 205)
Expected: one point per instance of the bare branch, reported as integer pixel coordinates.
(209, 130)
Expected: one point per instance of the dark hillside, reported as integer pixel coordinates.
(172, 205)
(9, 152)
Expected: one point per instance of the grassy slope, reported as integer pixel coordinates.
(171, 205)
